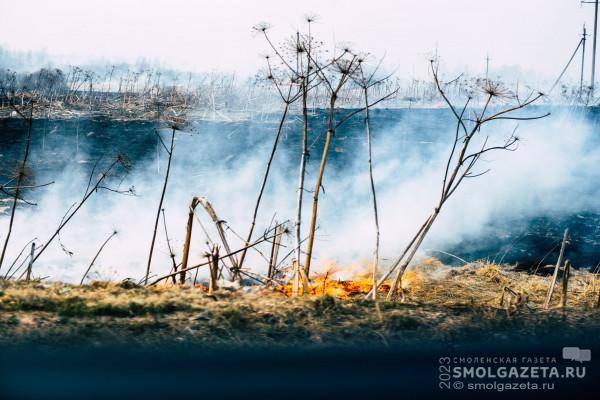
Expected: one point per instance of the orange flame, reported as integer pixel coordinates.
(359, 284)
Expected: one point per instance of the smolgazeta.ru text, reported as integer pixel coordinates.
(518, 372)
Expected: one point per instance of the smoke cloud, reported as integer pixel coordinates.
(553, 171)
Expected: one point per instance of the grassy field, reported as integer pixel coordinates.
(441, 305)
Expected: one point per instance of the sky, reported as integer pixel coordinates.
(529, 37)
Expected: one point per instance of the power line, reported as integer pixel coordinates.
(567, 66)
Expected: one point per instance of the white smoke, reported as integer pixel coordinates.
(554, 169)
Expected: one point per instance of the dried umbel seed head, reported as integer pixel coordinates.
(495, 89)
(175, 120)
(261, 27)
(311, 17)
(16, 171)
(123, 161)
(131, 191)
(344, 66)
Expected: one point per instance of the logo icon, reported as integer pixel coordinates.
(576, 354)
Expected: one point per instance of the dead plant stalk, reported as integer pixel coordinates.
(20, 177)
(463, 164)
(160, 203)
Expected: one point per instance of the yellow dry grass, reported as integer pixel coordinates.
(439, 302)
(487, 285)
(478, 284)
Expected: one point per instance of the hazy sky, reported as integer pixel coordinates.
(537, 35)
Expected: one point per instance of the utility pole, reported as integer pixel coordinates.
(487, 66)
(592, 83)
(583, 39)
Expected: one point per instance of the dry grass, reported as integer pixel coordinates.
(441, 304)
(477, 284)
(482, 285)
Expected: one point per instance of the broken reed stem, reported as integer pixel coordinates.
(171, 252)
(195, 277)
(188, 238)
(214, 269)
(565, 283)
(556, 268)
(160, 203)
(501, 302)
(95, 257)
(264, 238)
(304, 280)
(30, 265)
(296, 283)
(325, 282)
(511, 295)
(274, 252)
(219, 225)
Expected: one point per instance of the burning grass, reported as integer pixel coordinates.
(477, 284)
(441, 303)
